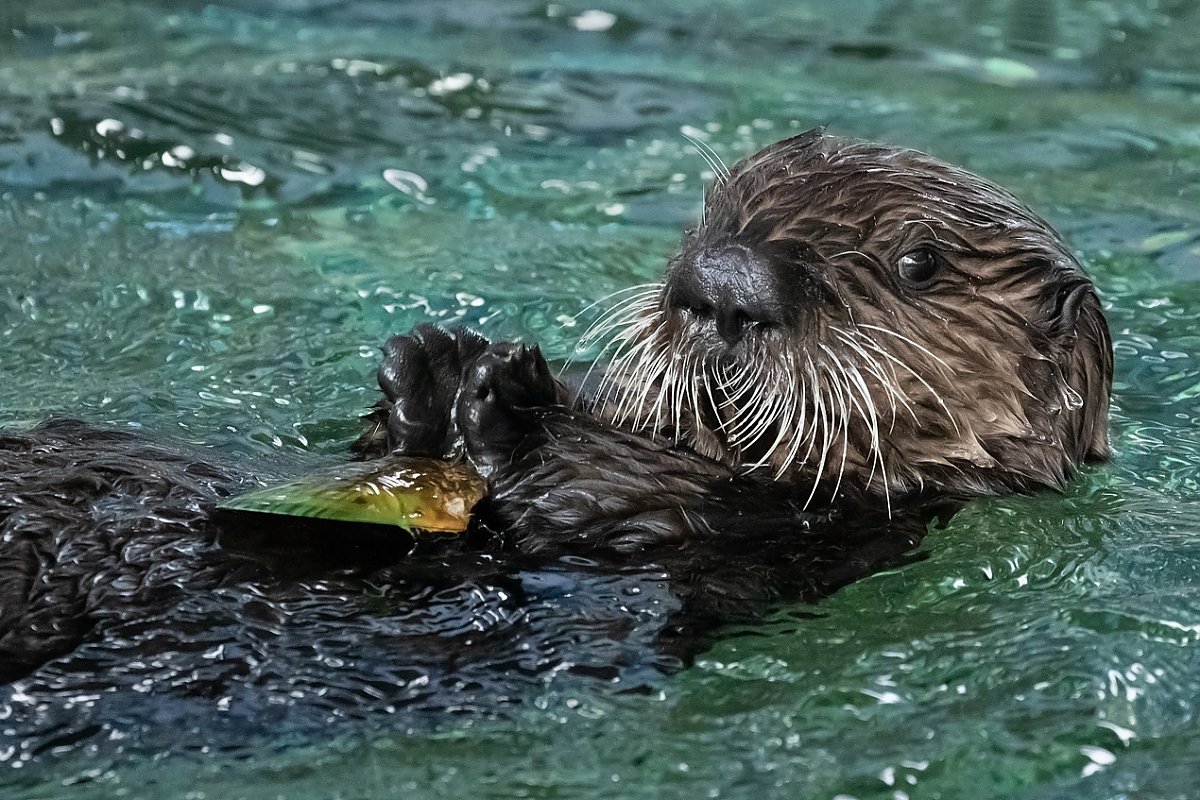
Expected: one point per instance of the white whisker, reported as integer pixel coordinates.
(904, 338)
(873, 345)
(710, 156)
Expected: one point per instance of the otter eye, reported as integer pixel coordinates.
(918, 266)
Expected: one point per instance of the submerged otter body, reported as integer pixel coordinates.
(133, 622)
(851, 331)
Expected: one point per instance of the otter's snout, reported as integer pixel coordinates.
(735, 288)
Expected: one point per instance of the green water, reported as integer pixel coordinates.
(212, 213)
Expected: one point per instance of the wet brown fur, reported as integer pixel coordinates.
(1008, 363)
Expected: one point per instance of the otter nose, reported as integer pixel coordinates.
(735, 288)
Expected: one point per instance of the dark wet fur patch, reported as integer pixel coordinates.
(133, 620)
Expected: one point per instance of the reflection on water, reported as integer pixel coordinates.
(212, 213)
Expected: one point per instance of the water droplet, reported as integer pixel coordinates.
(410, 183)
(245, 173)
(451, 83)
(594, 20)
(109, 126)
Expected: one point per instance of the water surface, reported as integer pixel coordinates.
(212, 213)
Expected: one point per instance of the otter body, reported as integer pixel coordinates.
(851, 333)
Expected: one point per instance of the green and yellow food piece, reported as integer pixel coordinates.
(416, 494)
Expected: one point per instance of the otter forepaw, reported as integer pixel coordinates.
(420, 375)
(501, 395)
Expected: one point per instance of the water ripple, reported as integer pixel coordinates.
(211, 214)
(299, 132)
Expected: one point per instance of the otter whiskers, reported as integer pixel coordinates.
(710, 156)
(936, 395)
(819, 409)
(887, 381)
(627, 332)
(618, 326)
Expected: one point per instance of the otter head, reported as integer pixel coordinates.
(855, 318)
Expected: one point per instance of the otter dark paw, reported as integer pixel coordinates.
(502, 393)
(420, 376)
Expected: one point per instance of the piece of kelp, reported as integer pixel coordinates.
(415, 494)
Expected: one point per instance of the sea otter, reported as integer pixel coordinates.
(849, 323)
(851, 333)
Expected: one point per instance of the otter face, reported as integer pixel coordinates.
(861, 319)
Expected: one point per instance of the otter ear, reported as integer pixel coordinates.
(1081, 331)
